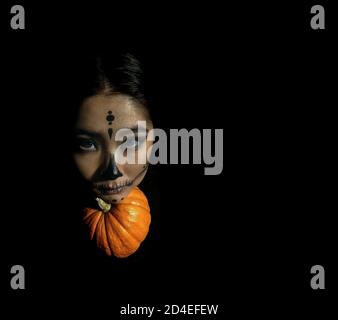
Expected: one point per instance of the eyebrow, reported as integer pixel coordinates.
(88, 133)
(99, 135)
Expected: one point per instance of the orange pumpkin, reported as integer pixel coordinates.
(119, 229)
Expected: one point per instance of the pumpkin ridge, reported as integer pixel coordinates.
(104, 236)
(122, 244)
(98, 232)
(123, 227)
(93, 224)
(107, 233)
(89, 213)
(113, 240)
(141, 226)
(121, 222)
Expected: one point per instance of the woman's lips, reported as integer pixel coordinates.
(110, 189)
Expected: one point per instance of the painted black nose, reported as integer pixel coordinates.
(111, 172)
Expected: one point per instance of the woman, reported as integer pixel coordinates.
(112, 103)
(116, 102)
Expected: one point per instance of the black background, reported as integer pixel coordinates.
(245, 239)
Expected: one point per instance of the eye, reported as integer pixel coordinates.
(86, 144)
(133, 142)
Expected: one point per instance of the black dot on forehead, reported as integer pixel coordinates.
(110, 118)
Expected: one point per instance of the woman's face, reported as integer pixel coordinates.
(99, 118)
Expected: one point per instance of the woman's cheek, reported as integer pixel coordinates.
(138, 171)
(87, 164)
(141, 155)
(130, 170)
(135, 171)
(149, 149)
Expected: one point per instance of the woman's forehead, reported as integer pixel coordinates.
(116, 110)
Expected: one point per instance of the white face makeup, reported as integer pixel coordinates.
(99, 118)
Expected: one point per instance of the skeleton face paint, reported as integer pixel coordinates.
(99, 117)
(110, 119)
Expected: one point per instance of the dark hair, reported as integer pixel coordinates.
(122, 74)
(110, 73)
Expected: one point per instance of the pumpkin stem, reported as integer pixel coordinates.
(103, 205)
